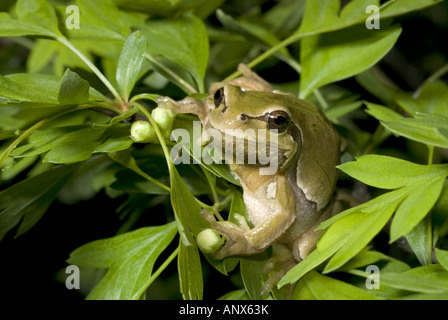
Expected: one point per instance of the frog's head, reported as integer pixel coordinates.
(306, 141)
(260, 119)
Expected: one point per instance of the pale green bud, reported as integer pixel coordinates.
(209, 241)
(164, 118)
(142, 131)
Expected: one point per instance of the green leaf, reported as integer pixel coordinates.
(128, 182)
(358, 225)
(416, 206)
(382, 113)
(253, 275)
(390, 173)
(37, 90)
(420, 131)
(373, 81)
(237, 206)
(200, 8)
(44, 140)
(182, 41)
(315, 286)
(186, 209)
(219, 170)
(35, 17)
(130, 63)
(129, 257)
(14, 28)
(48, 53)
(342, 109)
(154, 7)
(100, 20)
(442, 257)
(326, 15)
(364, 258)
(116, 138)
(426, 128)
(358, 229)
(6, 134)
(235, 295)
(28, 200)
(12, 167)
(251, 30)
(313, 260)
(23, 91)
(432, 99)
(114, 144)
(420, 240)
(190, 272)
(395, 8)
(76, 146)
(344, 53)
(427, 296)
(126, 159)
(74, 89)
(39, 13)
(415, 282)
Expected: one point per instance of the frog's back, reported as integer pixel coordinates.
(319, 152)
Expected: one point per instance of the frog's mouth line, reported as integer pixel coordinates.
(243, 150)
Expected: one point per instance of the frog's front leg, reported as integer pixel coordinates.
(236, 243)
(187, 105)
(272, 216)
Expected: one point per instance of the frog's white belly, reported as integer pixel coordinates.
(261, 204)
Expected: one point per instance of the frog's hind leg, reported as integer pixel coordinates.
(277, 266)
(248, 81)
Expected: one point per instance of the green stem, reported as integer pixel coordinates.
(186, 86)
(224, 202)
(164, 146)
(320, 98)
(267, 54)
(155, 181)
(374, 140)
(157, 130)
(436, 75)
(156, 274)
(32, 129)
(212, 185)
(430, 154)
(292, 63)
(357, 272)
(92, 67)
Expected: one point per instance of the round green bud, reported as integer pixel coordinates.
(209, 241)
(142, 131)
(165, 119)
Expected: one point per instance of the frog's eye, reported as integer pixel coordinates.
(218, 97)
(279, 120)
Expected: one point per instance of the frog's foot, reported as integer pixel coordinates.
(277, 266)
(236, 242)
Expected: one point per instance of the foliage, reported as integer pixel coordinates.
(67, 115)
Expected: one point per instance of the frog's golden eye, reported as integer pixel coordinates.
(218, 97)
(279, 120)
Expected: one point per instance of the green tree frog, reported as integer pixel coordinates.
(284, 207)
